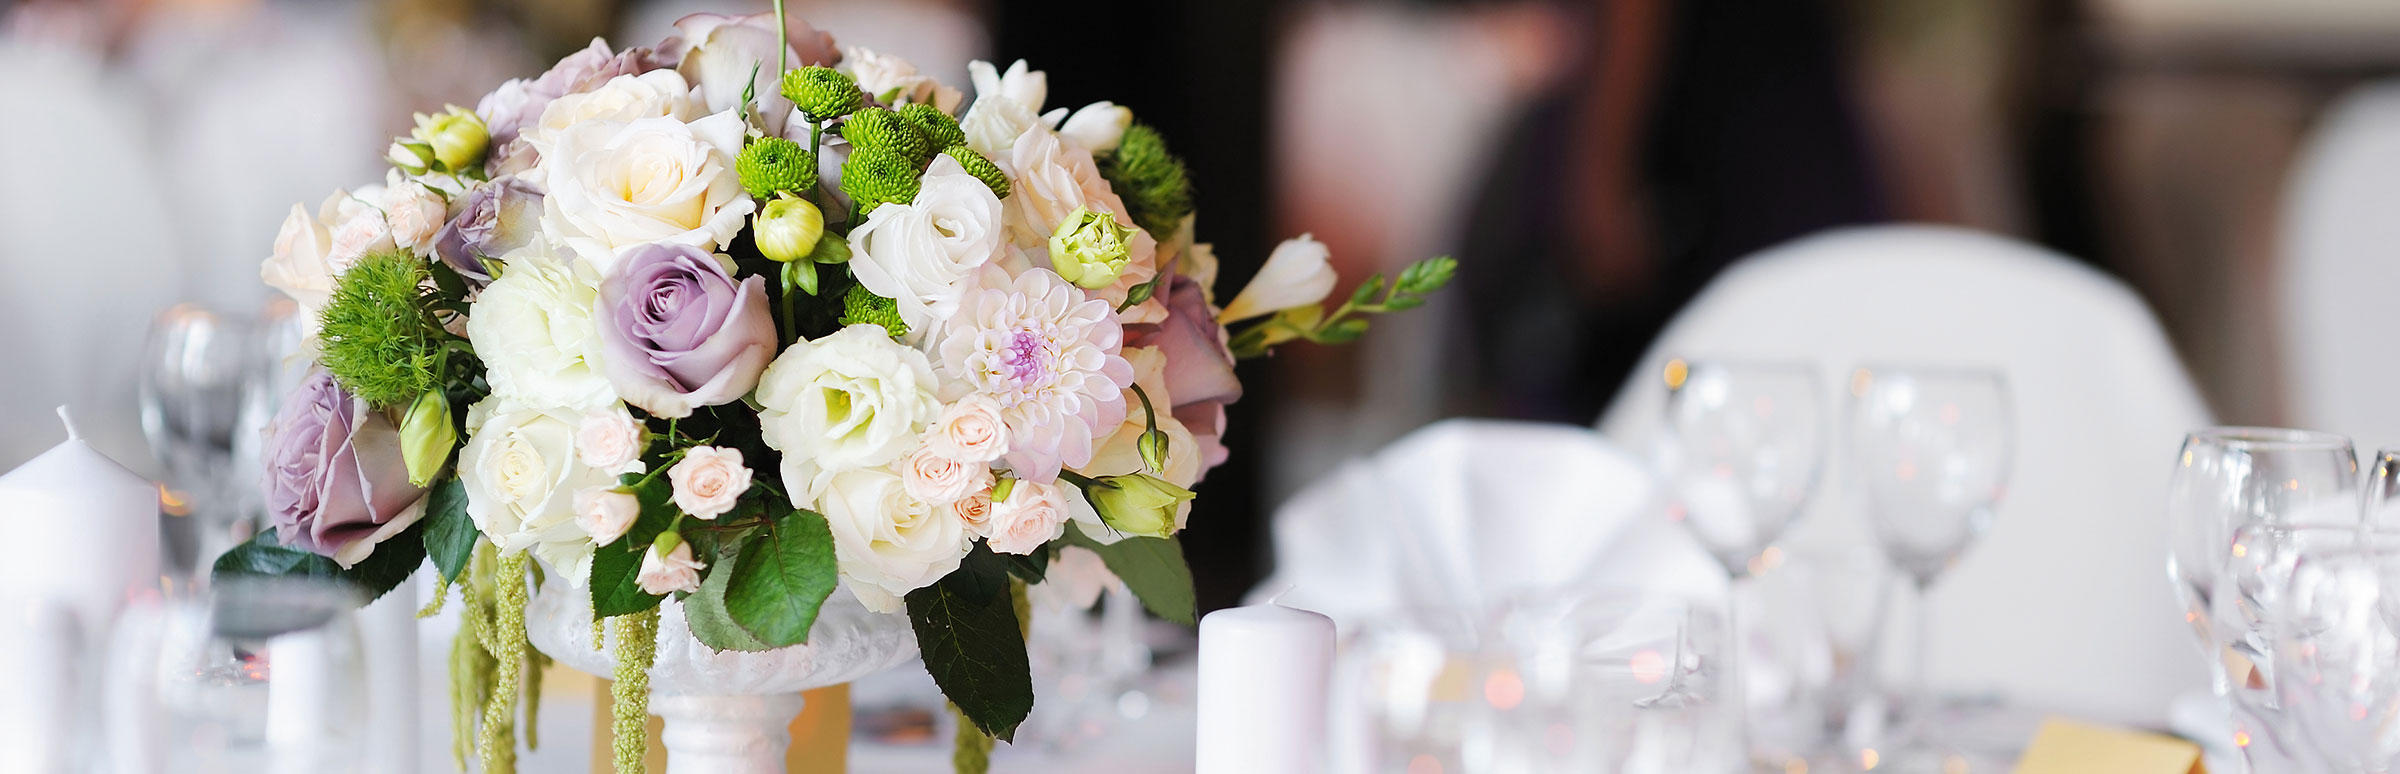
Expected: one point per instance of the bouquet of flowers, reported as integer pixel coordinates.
(747, 320)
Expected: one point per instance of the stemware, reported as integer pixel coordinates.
(2337, 652)
(195, 373)
(1742, 447)
(256, 676)
(1934, 447)
(2252, 608)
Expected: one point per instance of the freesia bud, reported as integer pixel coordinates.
(457, 138)
(1298, 273)
(788, 229)
(1138, 504)
(427, 437)
(1090, 248)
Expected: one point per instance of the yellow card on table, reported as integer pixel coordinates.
(2067, 747)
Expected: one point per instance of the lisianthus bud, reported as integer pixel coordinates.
(872, 177)
(822, 92)
(1153, 445)
(879, 129)
(788, 229)
(457, 137)
(938, 127)
(773, 165)
(1089, 248)
(982, 168)
(1138, 504)
(427, 437)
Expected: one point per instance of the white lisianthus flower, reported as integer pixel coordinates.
(709, 480)
(1051, 180)
(614, 186)
(625, 98)
(888, 543)
(671, 572)
(1097, 127)
(1006, 106)
(969, 430)
(1299, 273)
(612, 440)
(934, 478)
(414, 213)
(1034, 513)
(852, 399)
(1048, 357)
(894, 80)
(923, 254)
(521, 478)
(534, 329)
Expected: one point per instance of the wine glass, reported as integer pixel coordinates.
(195, 372)
(1742, 447)
(2337, 652)
(1934, 447)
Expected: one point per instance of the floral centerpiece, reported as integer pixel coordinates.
(743, 320)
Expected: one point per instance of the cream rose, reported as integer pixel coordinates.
(1034, 513)
(709, 480)
(893, 80)
(974, 511)
(613, 186)
(671, 572)
(852, 399)
(299, 266)
(521, 477)
(924, 254)
(612, 440)
(533, 328)
(415, 213)
(934, 478)
(888, 543)
(970, 430)
(605, 513)
(625, 98)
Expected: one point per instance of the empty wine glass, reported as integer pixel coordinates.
(196, 371)
(2338, 654)
(1741, 450)
(1934, 447)
(2382, 496)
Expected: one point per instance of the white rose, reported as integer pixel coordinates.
(1050, 179)
(613, 186)
(934, 478)
(853, 399)
(521, 478)
(892, 79)
(625, 98)
(612, 440)
(414, 213)
(709, 480)
(886, 542)
(1034, 513)
(299, 266)
(533, 327)
(1299, 273)
(923, 254)
(1006, 105)
(605, 513)
(970, 430)
(1097, 127)
(676, 571)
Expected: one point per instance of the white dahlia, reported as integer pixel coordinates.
(1048, 356)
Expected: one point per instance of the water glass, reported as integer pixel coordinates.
(2337, 655)
(1809, 653)
(253, 677)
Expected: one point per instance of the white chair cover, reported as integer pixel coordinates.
(2341, 228)
(2064, 605)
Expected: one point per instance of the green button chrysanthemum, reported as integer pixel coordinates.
(940, 130)
(772, 165)
(861, 305)
(982, 168)
(1151, 180)
(879, 129)
(872, 177)
(822, 92)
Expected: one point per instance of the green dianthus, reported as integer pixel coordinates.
(861, 305)
(872, 177)
(1151, 180)
(822, 92)
(378, 339)
(982, 168)
(940, 130)
(772, 165)
(884, 130)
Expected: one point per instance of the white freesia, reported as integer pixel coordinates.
(852, 399)
(414, 212)
(885, 542)
(669, 573)
(521, 478)
(534, 329)
(1006, 105)
(709, 480)
(1051, 180)
(1034, 513)
(1298, 273)
(894, 80)
(969, 430)
(1098, 127)
(613, 186)
(612, 440)
(605, 513)
(625, 98)
(923, 254)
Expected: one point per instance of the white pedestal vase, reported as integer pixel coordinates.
(726, 712)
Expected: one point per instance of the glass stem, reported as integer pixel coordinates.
(1737, 669)
(1921, 693)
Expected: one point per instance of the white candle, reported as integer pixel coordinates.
(1263, 678)
(85, 531)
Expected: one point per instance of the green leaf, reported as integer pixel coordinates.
(1153, 568)
(1031, 568)
(1428, 275)
(705, 610)
(1403, 302)
(262, 557)
(449, 533)
(1367, 291)
(782, 578)
(1342, 332)
(967, 631)
(616, 566)
(390, 564)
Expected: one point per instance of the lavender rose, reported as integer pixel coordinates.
(679, 332)
(336, 483)
(1199, 369)
(497, 217)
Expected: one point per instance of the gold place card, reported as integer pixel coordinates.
(2068, 747)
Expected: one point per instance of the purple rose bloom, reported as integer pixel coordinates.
(498, 216)
(1199, 369)
(519, 102)
(680, 332)
(336, 483)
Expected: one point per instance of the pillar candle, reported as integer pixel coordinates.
(1262, 684)
(85, 531)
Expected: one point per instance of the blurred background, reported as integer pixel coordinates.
(1591, 164)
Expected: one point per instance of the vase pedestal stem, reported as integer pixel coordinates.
(726, 734)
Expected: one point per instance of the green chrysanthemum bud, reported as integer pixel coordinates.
(822, 92)
(1090, 248)
(1152, 181)
(940, 130)
(1138, 504)
(773, 165)
(427, 437)
(873, 177)
(982, 168)
(787, 229)
(457, 138)
(861, 305)
(880, 129)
